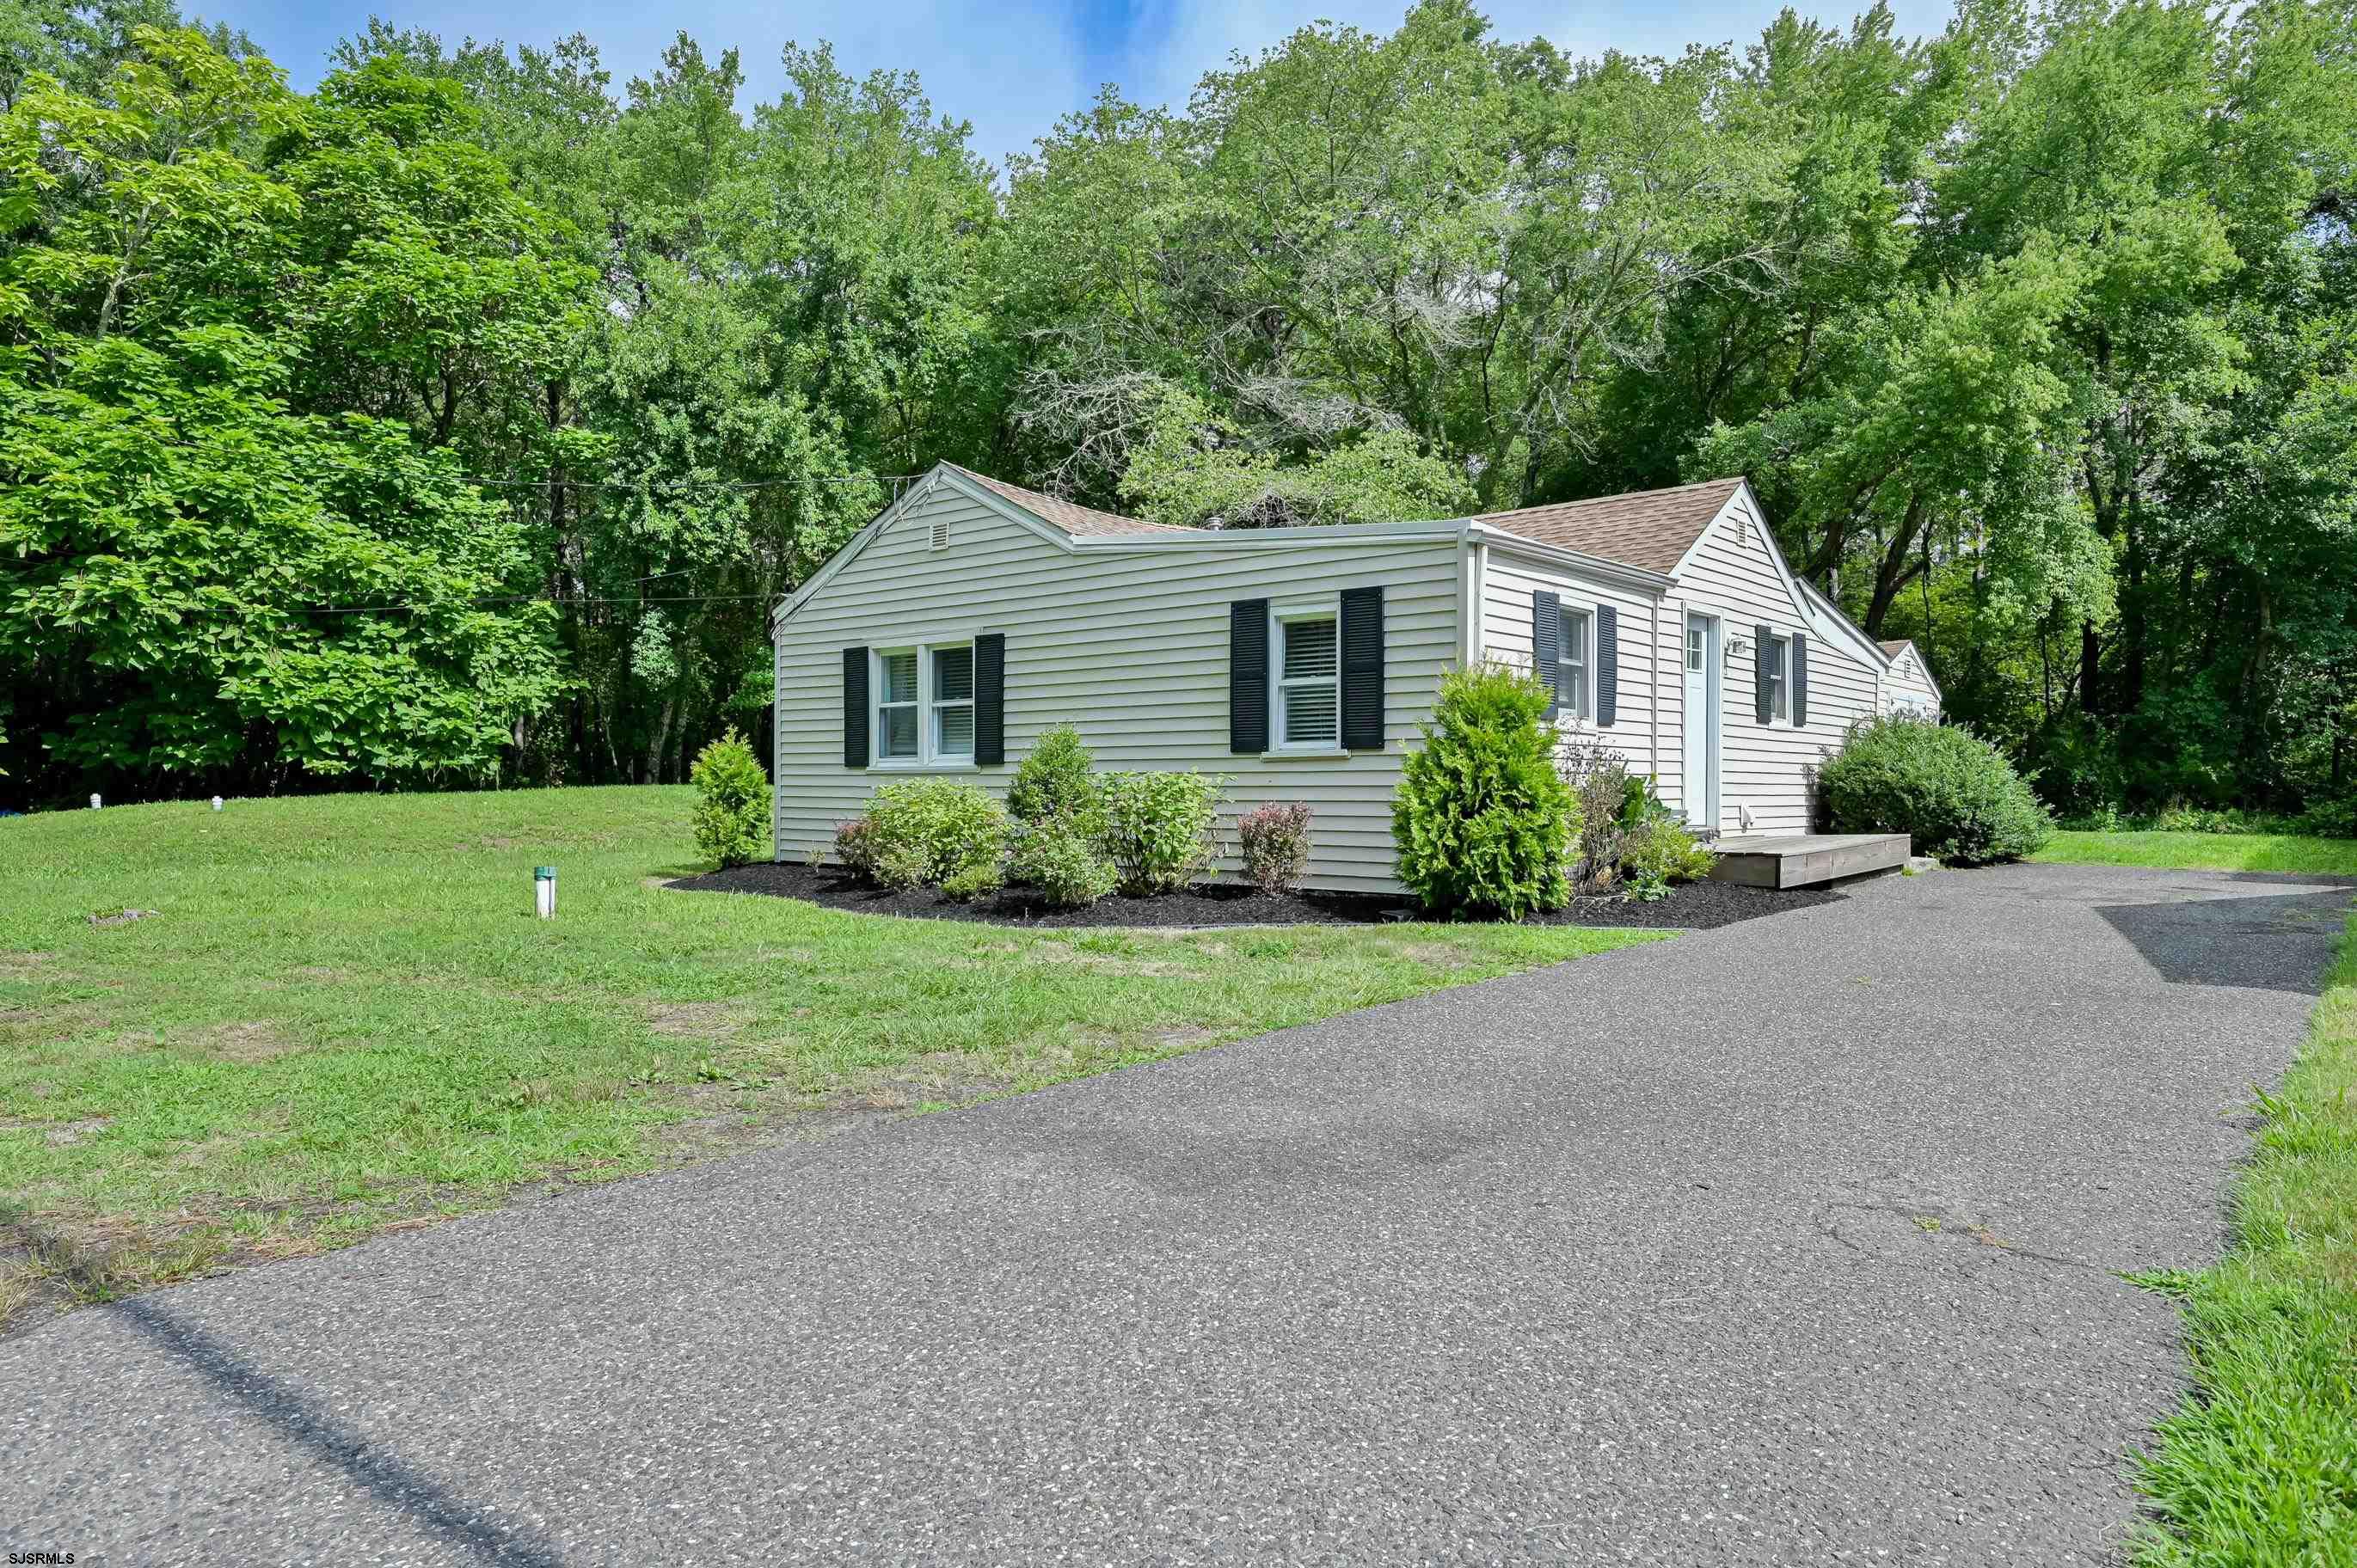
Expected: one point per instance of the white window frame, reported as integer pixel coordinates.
(927, 705)
(1280, 616)
(1780, 679)
(1581, 618)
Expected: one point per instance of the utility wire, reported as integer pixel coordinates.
(496, 481)
(477, 604)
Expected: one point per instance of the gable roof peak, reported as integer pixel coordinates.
(1648, 529)
(1078, 521)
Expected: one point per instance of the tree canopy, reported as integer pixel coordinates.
(462, 419)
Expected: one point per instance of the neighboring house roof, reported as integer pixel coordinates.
(1079, 521)
(1651, 529)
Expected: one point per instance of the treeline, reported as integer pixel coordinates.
(462, 419)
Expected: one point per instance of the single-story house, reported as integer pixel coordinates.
(1908, 686)
(973, 616)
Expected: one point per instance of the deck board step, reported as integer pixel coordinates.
(1804, 860)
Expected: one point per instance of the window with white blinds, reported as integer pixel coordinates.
(953, 703)
(924, 701)
(1308, 672)
(896, 705)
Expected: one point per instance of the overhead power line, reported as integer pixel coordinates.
(499, 481)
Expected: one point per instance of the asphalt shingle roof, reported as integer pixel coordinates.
(1648, 529)
(1074, 519)
(1652, 529)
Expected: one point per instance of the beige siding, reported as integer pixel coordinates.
(1508, 580)
(1732, 573)
(1905, 685)
(1130, 645)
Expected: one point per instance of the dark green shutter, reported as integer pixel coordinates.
(1248, 675)
(1607, 664)
(854, 707)
(1800, 678)
(1361, 638)
(990, 698)
(1546, 645)
(1763, 699)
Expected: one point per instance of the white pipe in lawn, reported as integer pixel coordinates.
(543, 889)
(217, 804)
(93, 802)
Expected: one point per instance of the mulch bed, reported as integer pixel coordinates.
(1694, 907)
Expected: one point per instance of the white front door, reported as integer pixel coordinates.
(1701, 721)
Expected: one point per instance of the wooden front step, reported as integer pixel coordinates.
(1805, 860)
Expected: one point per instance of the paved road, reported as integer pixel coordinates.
(1787, 1242)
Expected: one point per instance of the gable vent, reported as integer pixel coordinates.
(941, 535)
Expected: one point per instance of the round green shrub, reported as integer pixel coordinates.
(1054, 781)
(1158, 827)
(1950, 791)
(731, 820)
(923, 831)
(1062, 862)
(1483, 822)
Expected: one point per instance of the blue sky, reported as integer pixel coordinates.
(1010, 67)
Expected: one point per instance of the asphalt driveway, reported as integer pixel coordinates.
(1792, 1241)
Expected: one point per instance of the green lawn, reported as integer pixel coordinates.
(2260, 1468)
(2206, 851)
(343, 1017)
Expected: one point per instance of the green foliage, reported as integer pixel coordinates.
(923, 832)
(1062, 862)
(1646, 887)
(1053, 782)
(1273, 842)
(1483, 823)
(1660, 849)
(2257, 1466)
(197, 570)
(976, 879)
(1195, 469)
(1157, 827)
(732, 803)
(1951, 791)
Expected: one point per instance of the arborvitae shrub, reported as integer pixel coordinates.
(732, 803)
(1482, 821)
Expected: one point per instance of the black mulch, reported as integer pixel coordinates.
(1696, 906)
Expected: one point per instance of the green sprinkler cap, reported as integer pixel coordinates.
(543, 873)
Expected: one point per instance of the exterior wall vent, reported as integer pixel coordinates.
(940, 533)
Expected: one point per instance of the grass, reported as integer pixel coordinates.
(2260, 1467)
(2205, 852)
(342, 1017)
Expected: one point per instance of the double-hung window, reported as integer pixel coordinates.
(924, 704)
(897, 729)
(951, 700)
(1571, 653)
(1777, 654)
(1309, 699)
